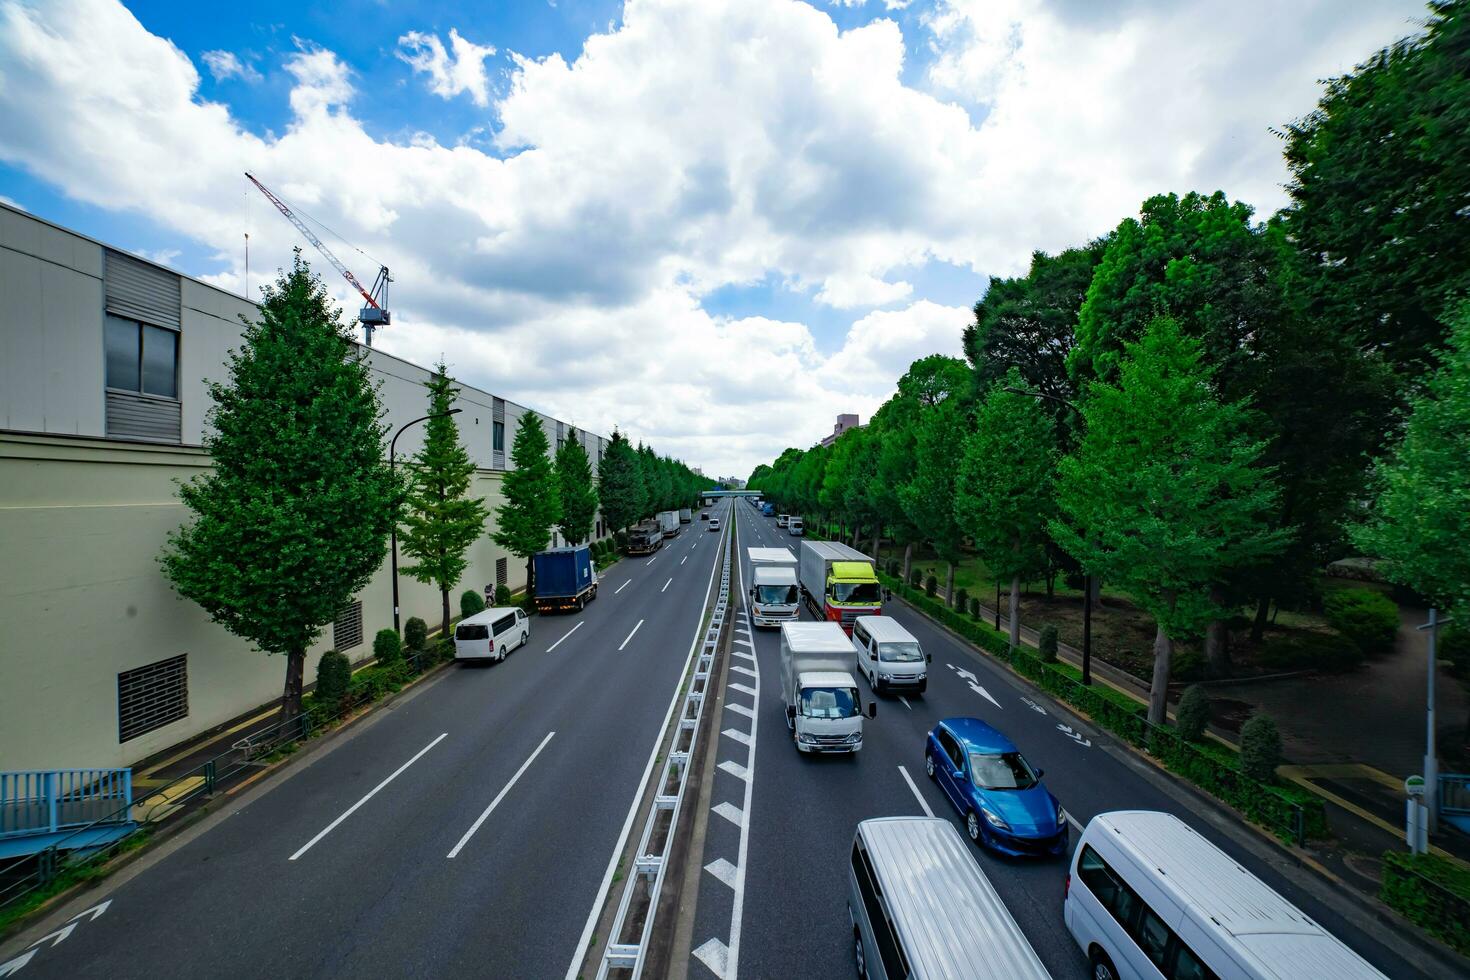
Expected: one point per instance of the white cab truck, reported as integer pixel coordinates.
(823, 708)
(775, 598)
(668, 522)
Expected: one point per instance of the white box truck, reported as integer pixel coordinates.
(775, 597)
(686, 515)
(668, 522)
(823, 708)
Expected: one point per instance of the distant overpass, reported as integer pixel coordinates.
(729, 493)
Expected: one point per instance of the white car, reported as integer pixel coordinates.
(714, 523)
(490, 635)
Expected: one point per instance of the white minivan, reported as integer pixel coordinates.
(921, 907)
(1149, 897)
(889, 656)
(491, 634)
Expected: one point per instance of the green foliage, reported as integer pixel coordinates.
(532, 497)
(1046, 644)
(962, 599)
(915, 577)
(333, 674)
(931, 586)
(935, 392)
(470, 603)
(386, 646)
(620, 484)
(1309, 651)
(292, 519)
(415, 633)
(1193, 713)
(892, 566)
(1432, 892)
(1260, 748)
(1420, 524)
(578, 495)
(1367, 619)
(502, 595)
(443, 518)
(974, 607)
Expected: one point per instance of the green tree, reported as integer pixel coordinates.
(928, 497)
(443, 517)
(578, 494)
(293, 517)
(620, 484)
(1381, 174)
(532, 498)
(1163, 495)
(1003, 497)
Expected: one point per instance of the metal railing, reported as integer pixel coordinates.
(657, 839)
(48, 801)
(1454, 794)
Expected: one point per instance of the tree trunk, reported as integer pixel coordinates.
(1014, 612)
(908, 559)
(1258, 628)
(949, 584)
(877, 534)
(1217, 641)
(1095, 596)
(444, 629)
(291, 693)
(1158, 692)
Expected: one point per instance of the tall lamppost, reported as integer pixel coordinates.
(1431, 757)
(392, 467)
(1087, 585)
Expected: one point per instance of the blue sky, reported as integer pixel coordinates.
(714, 224)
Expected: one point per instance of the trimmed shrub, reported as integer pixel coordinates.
(333, 674)
(1260, 748)
(974, 607)
(502, 595)
(1046, 644)
(892, 566)
(1309, 651)
(916, 577)
(1366, 618)
(1431, 892)
(386, 647)
(1193, 713)
(470, 603)
(931, 586)
(415, 633)
(962, 599)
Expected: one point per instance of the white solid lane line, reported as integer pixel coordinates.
(905, 773)
(498, 797)
(630, 635)
(371, 793)
(565, 635)
(666, 585)
(622, 587)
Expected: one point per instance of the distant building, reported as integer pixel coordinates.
(733, 482)
(844, 422)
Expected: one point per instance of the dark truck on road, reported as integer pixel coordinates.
(645, 539)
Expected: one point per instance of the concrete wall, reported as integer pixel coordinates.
(83, 517)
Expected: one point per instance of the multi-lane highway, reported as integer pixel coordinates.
(466, 831)
(772, 898)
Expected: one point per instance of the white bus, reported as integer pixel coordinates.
(1149, 897)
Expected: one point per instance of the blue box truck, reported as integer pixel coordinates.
(566, 578)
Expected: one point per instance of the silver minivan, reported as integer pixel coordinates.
(889, 656)
(921, 907)
(491, 634)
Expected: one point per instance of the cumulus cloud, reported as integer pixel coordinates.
(459, 70)
(224, 65)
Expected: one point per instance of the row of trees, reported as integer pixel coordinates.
(1197, 406)
(294, 516)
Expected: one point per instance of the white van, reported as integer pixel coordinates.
(921, 907)
(491, 634)
(889, 656)
(795, 527)
(1148, 896)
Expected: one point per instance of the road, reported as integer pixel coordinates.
(772, 902)
(465, 831)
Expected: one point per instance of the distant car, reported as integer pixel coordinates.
(1005, 806)
(704, 515)
(795, 527)
(490, 635)
(714, 523)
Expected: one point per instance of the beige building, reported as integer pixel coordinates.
(103, 362)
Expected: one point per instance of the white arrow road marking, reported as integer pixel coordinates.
(58, 935)
(630, 635)
(963, 673)
(12, 967)
(984, 693)
(1075, 736)
(564, 636)
(498, 797)
(622, 587)
(922, 803)
(94, 911)
(1033, 705)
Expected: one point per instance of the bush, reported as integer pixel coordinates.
(1368, 619)
(502, 595)
(470, 603)
(892, 566)
(1260, 748)
(1193, 713)
(1046, 644)
(386, 647)
(974, 607)
(333, 674)
(931, 586)
(915, 577)
(1430, 891)
(416, 633)
(1309, 651)
(620, 540)
(962, 599)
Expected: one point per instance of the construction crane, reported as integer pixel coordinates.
(375, 314)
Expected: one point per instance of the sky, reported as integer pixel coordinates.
(713, 224)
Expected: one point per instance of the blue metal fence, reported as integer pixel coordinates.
(1454, 799)
(34, 802)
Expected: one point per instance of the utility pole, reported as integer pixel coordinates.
(1431, 757)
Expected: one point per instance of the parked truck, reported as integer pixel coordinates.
(823, 708)
(645, 538)
(839, 583)
(565, 578)
(686, 515)
(668, 521)
(775, 596)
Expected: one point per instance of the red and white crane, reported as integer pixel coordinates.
(375, 314)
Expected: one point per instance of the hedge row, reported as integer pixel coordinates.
(1432, 892)
(1265, 804)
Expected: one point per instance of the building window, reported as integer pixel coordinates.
(347, 630)
(142, 358)
(502, 572)
(153, 696)
(497, 436)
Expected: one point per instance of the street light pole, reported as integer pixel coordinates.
(393, 534)
(1431, 757)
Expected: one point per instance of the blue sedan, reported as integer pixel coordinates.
(1001, 797)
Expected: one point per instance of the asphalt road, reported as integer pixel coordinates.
(772, 902)
(298, 883)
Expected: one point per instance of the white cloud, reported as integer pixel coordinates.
(690, 147)
(459, 70)
(224, 65)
